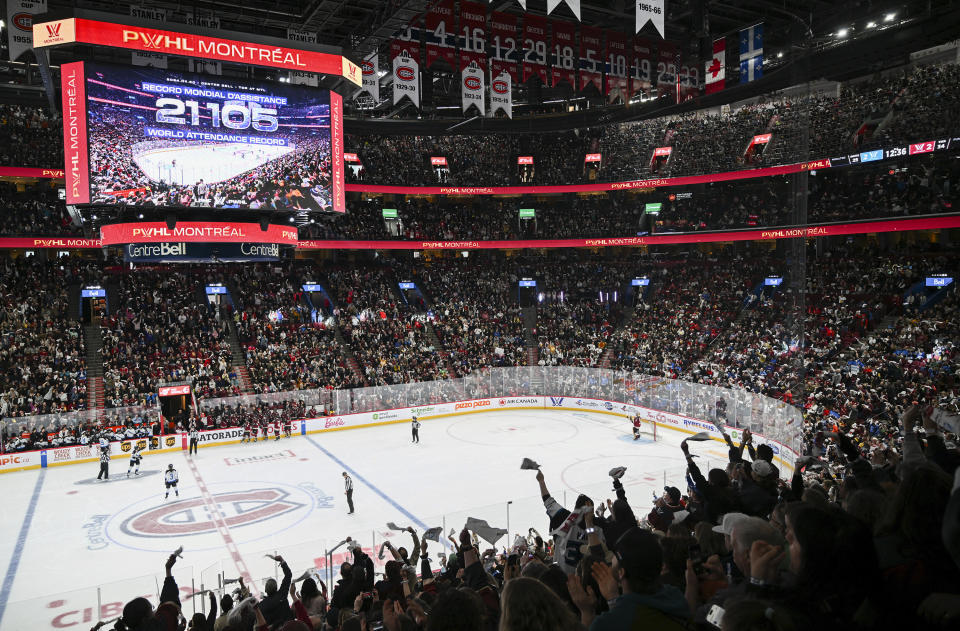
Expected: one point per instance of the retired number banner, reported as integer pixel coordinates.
(535, 48)
(689, 80)
(564, 53)
(441, 38)
(591, 61)
(473, 55)
(667, 71)
(503, 45)
(641, 68)
(616, 66)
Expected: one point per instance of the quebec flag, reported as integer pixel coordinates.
(751, 53)
(751, 69)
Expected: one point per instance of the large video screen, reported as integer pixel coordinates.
(169, 139)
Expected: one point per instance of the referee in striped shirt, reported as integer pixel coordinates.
(348, 491)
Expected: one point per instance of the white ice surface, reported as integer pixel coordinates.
(287, 497)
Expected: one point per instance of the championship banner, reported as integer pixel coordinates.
(591, 62)
(137, 58)
(370, 71)
(650, 11)
(211, 22)
(667, 70)
(504, 54)
(689, 80)
(535, 48)
(405, 54)
(573, 4)
(298, 77)
(440, 35)
(641, 68)
(472, 88)
(616, 66)
(20, 24)
(563, 55)
(473, 34)
(501, 94)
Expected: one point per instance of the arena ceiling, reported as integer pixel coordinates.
(362, 25)
(792, 28)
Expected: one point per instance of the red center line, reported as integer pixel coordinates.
(222, 528)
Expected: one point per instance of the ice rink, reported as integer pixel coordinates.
(66, 534)
(189, 164)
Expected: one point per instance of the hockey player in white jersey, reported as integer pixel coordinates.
(171, 477)
(135, 458)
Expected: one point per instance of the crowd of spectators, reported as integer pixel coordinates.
(475, 312)
(30, 137)
(33, 210)
(851, 538)
(43, 368)
(288, 344)
(386, 336)
(160, 332)
(913, 104)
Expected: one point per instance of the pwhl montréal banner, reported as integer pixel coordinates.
(20, 24)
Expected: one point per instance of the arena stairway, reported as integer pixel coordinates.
(529, 337)
(431, 334)
(239, 360)
(348, 357)
(625, 316)
(93, 342)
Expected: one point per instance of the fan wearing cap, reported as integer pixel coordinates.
(758, 488)
(664, 508)
(632, 589)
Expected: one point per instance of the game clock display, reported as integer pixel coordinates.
(169, 139)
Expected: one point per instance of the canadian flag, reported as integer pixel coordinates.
(716, 68)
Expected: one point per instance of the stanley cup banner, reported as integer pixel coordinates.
(298, 77)
(20, 24)
(472, 88)
(370, 71)
(406, 78)
(650, 11)
(137, 58)
(501, 94)
(405, 53)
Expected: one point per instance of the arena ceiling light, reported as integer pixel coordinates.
(842, 33)
(871, 24)
(890, 17)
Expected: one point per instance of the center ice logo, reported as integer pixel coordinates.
(191, 517)
(250, 509)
